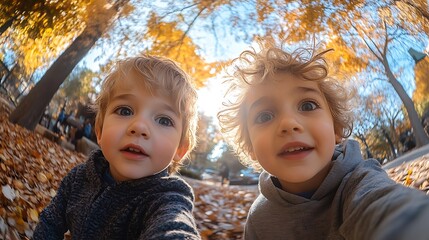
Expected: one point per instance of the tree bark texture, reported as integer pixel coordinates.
(419, 133)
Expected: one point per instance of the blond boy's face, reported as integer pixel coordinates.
(141, 132)
(291, 131)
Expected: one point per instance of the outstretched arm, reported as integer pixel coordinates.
(375, 207)
(172, 219)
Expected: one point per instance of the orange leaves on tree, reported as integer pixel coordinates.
(263, 8)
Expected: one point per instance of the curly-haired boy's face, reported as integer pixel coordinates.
(141, 132)
(291, 131)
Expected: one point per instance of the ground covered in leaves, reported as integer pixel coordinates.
(31, 168)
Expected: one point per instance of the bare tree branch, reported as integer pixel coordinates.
(189, 28)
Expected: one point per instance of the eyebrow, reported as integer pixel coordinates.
(167, 107)
(300, 90)
(124, 96)
(308, 89)
(260, 101)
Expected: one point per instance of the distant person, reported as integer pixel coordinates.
(407, 140)
(68, 122)
(291, 118)
(83, 130)
(62, 115)
(87, 129)
(58, 128)
(224, 173)
(145, 125)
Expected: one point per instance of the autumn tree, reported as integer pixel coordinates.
(229, 157)
(411, 13)
(381, 51)
(171, 40)
(32, 17)
(31, 108)
(364, 123)
(208, 136)
(77, 90)
(173, 30)
(37, 30)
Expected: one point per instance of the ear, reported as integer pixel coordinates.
(180, 152)
(98, 134)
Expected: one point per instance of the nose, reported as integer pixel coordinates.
(139, 127)
(290, 124)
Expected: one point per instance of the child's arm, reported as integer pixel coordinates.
(172, 218)
(375, 207)
(249, 231)
(52, 221)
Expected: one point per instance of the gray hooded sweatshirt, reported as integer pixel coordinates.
(356, 200)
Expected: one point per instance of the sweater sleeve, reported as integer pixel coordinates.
(172, 218)
(375, 207)
(52, 221)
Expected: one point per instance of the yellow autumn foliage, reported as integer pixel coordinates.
(34, 53)
(169, 41)
(421, 93)
(411, 14)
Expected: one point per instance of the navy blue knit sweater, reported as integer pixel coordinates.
(154, 207)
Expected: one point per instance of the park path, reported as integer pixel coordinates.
(408, 157)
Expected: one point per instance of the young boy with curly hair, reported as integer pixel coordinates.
(145, 125)
(290, 118)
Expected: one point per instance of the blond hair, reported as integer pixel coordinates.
(165, 77)
(252, 68)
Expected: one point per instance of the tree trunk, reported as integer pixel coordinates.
(419, 133)
(6, 69)
(6, 25)
(32, 106)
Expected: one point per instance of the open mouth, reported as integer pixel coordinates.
(134, 150)
(295, 150)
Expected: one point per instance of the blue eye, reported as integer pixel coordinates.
(308, 106)
(165, 121)
(264, 117)
(124, 111)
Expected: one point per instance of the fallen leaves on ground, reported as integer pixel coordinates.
(221, 211)
(31, 169)
(414, 174)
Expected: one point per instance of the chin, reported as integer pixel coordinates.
(299, 178)
(130, 175)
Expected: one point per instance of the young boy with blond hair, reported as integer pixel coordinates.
(290, 118)
(145, 125)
